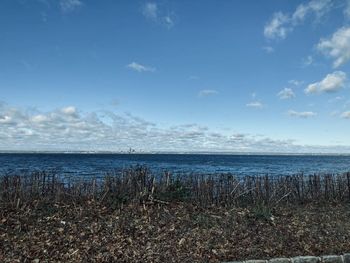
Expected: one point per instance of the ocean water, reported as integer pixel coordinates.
(96, 165)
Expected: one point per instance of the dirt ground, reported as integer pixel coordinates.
(90, 232)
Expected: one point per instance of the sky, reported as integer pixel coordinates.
(175, 76)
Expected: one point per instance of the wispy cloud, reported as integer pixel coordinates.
(345, 115)
(268, 49)
(140, 68)
(347, 9)
(70, 5)
(255, 104)
(337, 46)
(295, 82)
(283, 23)
(168, 21)
(302, 114)
(151, 11)
(193, 77)
(307, 61)
(331, 83)
(276, 27)
(334, 113)
(207, 92)
(286, 93)
(336, 99)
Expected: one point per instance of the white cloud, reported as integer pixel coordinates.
(70, 110)
(347, 9)
(295, 82)
(140, 68)
(320, 7)
(70, 5)
(168, 21)
(337, 46)
(5, 119)
(151, 11)
(107, 131)
(39, 118)
(331, 83)
(299, 14)
(308, 61)
(276, 27)
(286, 93)
(302, 114)
(345, 115)
(336, 99)
(255, 104)
(281, 24)
(268, 49)
(207, 92)
(58, 130)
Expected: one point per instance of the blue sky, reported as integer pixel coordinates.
(217, 76)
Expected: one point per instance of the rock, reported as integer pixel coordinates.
(307, 259)
(332, 259)
(255, 261)
(280, 260)
(346, 258)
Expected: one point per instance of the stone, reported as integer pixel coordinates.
(280, 260)
(307, 259)
(332, 259)
(346, 258)
(255, 261)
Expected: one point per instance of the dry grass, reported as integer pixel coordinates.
(137, 216)
(138, 185)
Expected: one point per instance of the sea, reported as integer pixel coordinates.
(89, 165)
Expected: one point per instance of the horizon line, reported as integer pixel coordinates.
(164, 152)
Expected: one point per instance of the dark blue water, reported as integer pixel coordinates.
(96, 165)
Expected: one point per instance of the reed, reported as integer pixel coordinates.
(140, 185)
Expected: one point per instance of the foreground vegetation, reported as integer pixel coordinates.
(137, 216)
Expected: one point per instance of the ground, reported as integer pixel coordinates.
(169, 232)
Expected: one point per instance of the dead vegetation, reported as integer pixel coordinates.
(136, 216)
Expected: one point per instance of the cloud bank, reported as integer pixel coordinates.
(69, 129)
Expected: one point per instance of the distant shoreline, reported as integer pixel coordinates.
(178, 153)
